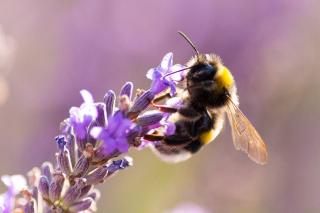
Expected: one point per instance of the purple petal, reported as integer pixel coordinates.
(158, 86)
(123, 128)
(150, 73)
(123, 146)
(81, 117)
(89, 111)
(167, 61)
(87, 97)
(109, 145)
(74, 114)
(114, 122)
(157, 74)
(80, 130)
(95, 132)
(179, 75)
(159, 83)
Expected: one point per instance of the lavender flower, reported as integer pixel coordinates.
(81, 117)
(90, 139)
(159, 82)
(114, 136)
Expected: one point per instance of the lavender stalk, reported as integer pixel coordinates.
(90, 147)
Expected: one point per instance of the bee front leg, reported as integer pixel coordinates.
(153, 137)
(165, 108)
(161, 97)
(171, 140)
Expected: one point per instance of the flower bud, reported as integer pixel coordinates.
(44, 187)
(81, 167)
(109, 100)
(141, 103)
(71, 147)
(127, 89)
(46, 170)
(85, 190)
(64, 162)
(149, 118)
(55, 187)
(97, 175)
(74, 192)
(101, 118)
(81, 205)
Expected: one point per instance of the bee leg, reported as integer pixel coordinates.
(165, 108)
(171, 140)
(161, 97)
(153, 137)
(176, 140)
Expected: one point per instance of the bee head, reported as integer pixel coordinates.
(208, 81)
(201, 69)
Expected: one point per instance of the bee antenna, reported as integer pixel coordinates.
(190, 42)
(186, 68)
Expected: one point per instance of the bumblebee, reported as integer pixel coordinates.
(209, 94)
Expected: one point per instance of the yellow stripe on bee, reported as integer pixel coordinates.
(207, 137)
(224, 78)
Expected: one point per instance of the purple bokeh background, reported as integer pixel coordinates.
(272, 48)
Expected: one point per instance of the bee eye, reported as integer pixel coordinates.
(202, 72)
(209, 70)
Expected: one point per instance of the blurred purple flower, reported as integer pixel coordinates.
(15, 184)
(81, 117)
(159, 82)
(114, 135)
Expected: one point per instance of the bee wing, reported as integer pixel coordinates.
(245, 136)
